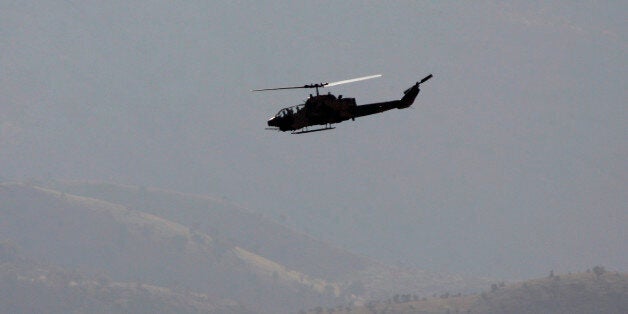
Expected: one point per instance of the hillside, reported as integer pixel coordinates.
(30, 287)
(206, 245)
(604, 292)
(355, 275)
(97, 237)
(219, 218)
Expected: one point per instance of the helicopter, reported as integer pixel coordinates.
(328, 109)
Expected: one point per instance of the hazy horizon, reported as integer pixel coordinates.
(511, 163)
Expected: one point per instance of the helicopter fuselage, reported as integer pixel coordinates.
(328, 109)
(317, 110)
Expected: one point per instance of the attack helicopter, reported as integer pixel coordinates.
(328, 109)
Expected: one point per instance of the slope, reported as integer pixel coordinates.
(356, 275)
(30, 287)
(230, 222)
(98, 237)
(591, 292)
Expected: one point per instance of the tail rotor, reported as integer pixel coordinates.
(425, 79)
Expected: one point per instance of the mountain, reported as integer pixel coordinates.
(593, 292)
(162, 238)
(295, 250)
(599, 291)
(98, 237)
(30, 287)
(228, 221)
(151, 237)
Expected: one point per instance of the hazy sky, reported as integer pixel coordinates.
(512, 161)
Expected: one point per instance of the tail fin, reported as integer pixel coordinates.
(425, 79)
(411, 93)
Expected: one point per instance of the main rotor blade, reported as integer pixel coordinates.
(291, 87)
(354, 80)
(277, 88)
(320, 85)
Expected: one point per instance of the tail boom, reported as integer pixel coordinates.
(406, 101)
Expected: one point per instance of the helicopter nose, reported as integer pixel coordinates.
(273, 122)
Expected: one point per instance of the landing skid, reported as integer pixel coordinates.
(315, 130)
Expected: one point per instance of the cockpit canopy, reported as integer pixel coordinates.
(289, 111)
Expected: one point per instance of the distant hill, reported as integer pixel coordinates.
(227, 221)
(605, 292)
(30, 287)
(98, 237)
(152, 237)
(591, 292)
(355, 274)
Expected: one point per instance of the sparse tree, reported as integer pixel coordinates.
(103, 280)
(599, 270)
(371, 307)
(494, 287)
(484, 296)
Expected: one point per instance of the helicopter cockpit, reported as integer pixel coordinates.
(289, 111)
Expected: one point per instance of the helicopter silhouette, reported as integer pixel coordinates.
(328, 109)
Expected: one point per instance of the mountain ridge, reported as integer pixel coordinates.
(173, 239)
(597, 291)
(27, 286)
(256, 233)
(128, 245)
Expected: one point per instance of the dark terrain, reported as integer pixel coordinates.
(597, 291)
(190, 248)
(106, 248)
